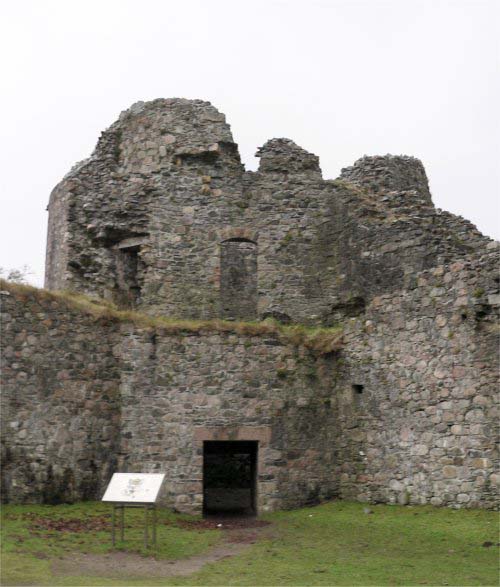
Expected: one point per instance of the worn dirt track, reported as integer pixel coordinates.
(122, 564)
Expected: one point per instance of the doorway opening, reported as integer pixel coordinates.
(230, 477)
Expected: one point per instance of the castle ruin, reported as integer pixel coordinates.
(163, 220)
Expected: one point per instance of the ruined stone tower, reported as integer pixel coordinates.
(163, 218)
(398, 402)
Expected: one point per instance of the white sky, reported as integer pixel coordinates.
(342, 78)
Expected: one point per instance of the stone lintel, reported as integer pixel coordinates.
(260, 433)
(134, 241)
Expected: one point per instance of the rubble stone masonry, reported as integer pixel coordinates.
(406, 412)
(164, 220)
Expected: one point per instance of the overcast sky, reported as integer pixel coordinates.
(342, 78)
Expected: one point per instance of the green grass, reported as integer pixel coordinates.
(27, 548)
(332, 544)
(20, 533)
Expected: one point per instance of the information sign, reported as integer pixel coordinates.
(134, 487)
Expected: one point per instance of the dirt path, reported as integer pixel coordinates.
(121, 564)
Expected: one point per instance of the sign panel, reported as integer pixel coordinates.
(134, 487)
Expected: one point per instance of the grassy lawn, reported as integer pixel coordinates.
(332, 544)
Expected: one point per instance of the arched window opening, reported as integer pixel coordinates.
(238, 279)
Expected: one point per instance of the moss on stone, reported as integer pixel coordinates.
(317, 339)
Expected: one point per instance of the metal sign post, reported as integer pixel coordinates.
(134, 490)
(150, 521)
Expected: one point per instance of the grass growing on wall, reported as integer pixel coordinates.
(317, 339)
(333, 544)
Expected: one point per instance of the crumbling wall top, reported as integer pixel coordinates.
(285, 156)
(141, 222)
(389, 173)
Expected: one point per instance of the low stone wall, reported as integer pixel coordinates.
(60, 400)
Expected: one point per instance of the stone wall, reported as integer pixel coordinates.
(56, 257)
(424, 428)
(389, 175)
(145, 220)
(84, 396)
(60, 400)
(178, 391)
(163, 218)
(406, 412)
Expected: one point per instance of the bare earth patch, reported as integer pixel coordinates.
(122, 564)
(222, 523)
(39, 524)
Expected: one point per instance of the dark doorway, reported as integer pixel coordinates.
(229, 477)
